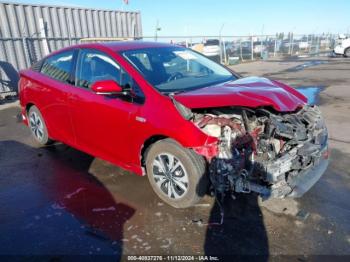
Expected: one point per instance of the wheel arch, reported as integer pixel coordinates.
(154, 139)
(26, 111)
(194, 164)
(28, 106)
(147, 144)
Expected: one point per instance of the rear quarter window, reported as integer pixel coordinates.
(37, 66)
(59, 66)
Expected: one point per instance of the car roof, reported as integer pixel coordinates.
(122, 45)
(128, 45)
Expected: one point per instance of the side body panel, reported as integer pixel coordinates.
(50, 97)
(101, 124)
(116, 130)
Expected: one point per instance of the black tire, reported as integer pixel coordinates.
(194, 165)
(38, 127)
(347, 52)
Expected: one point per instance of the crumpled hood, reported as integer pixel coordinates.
(249, 92)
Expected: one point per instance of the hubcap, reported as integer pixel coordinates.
(170, 175)
(36, 125)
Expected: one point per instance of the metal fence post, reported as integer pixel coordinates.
(26, 54)
(312, 39)
(240, 47)
(1, 85)
(220, 41)
(224, 45)
(252, 48)
(220, 45)
(290, 40)
(292, 44)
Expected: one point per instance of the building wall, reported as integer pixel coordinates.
(29, 32)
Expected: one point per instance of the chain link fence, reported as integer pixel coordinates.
(228, 50)
(234, 49)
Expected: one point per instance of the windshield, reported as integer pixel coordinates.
(177, 69)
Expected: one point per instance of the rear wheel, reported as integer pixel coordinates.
(176, 174)
(38, 127)
(347, 52)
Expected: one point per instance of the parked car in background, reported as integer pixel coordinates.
(303, 45)
(242, 50)
(198, 47)
(212, 49)
(288, 46)
(258, 47)
(176, 116)
(343, 46)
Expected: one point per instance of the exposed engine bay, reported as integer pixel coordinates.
(261, 150)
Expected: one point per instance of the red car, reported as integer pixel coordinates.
(190, 124)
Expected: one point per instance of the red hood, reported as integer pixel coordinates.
(249, 92)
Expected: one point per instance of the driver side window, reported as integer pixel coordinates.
(93, 66)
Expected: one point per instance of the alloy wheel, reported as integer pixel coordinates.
(36, 125)
(170, 175)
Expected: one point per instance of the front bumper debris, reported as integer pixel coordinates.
(273, 154)
(306, 179)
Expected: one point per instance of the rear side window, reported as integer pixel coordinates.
(59, 66)
(37, 66)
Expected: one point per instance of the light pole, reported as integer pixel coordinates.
(156, 31)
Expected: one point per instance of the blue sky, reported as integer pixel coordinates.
(240, 17)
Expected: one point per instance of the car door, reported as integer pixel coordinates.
(101, 123)
(52, 93)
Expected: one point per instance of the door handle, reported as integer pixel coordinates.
(72, 97)
(140, 119)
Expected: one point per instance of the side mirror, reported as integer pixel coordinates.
(106, 87)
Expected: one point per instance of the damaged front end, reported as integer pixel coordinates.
(259, 150)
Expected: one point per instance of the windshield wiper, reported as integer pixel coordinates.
(199, 76)
(172, 93)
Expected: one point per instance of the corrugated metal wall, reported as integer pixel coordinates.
(28, 32)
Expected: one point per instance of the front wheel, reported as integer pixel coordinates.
(176, 174)
(38, 127)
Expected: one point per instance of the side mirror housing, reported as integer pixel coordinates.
(106, 87)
